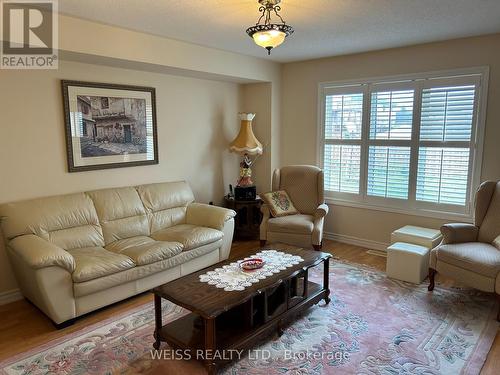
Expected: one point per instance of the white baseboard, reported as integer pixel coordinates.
(10, 296)
(351, 240)
(379, 253)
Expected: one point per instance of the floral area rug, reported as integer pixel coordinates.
(373, 325)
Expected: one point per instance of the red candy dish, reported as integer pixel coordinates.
(252, 264)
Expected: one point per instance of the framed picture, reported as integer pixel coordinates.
(109, 126)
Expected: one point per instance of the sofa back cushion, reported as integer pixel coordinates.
(68, 221)
(490, 226)
(304, 185)
(121, 213)
(166, 203)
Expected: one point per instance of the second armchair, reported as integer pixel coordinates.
(470, 253)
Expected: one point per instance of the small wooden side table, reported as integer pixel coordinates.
(248, 217)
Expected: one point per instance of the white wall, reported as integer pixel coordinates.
(300, 109)
(98, 42)
(196, 121)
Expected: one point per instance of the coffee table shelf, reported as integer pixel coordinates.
(187, 332)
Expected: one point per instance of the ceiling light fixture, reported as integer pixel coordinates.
(266, 33)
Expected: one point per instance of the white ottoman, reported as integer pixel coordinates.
(407, 262)
(429, 238)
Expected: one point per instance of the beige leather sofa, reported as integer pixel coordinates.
(470, 253)
(73, 254)
(304, 185)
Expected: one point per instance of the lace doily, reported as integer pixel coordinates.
(231, 277)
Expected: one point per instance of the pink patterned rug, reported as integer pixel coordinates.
(373, 325)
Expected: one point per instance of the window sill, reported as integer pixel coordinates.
(405, 211)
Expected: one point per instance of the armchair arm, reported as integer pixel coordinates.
(321, 211)
(208, 216)
(319, 219)
(266, 214)
(39, 253)
(459, 232)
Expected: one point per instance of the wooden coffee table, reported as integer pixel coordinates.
(236, 320)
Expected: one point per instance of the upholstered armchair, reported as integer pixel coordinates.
(470, 253)
(304, 185)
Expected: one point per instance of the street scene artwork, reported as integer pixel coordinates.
(109, 125)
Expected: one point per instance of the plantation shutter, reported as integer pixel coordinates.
(391, 119)
(446, 128)
(406, 143)
(343, 114)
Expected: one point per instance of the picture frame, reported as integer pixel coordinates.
(109, 125)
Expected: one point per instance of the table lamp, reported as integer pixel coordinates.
(246, 144)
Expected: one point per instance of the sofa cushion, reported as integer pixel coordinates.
(190, 236)
(121, 213)
(139, 272)
(94, 262)
(478, 257)
(166, 203)
(302, 224)
(144, 250)
(68, 221)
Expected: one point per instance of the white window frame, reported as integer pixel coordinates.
(419, 81)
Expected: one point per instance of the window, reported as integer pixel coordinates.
(411, 144)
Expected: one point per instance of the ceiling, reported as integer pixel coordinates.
(322, 27)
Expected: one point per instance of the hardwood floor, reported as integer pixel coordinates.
(23, 326)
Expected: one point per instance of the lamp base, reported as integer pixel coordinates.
(245, 193)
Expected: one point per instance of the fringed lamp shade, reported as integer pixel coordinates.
(246, 142)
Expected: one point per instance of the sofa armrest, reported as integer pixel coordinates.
(206, 215)
(39, 253)
(459, 232)
(321, 211)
